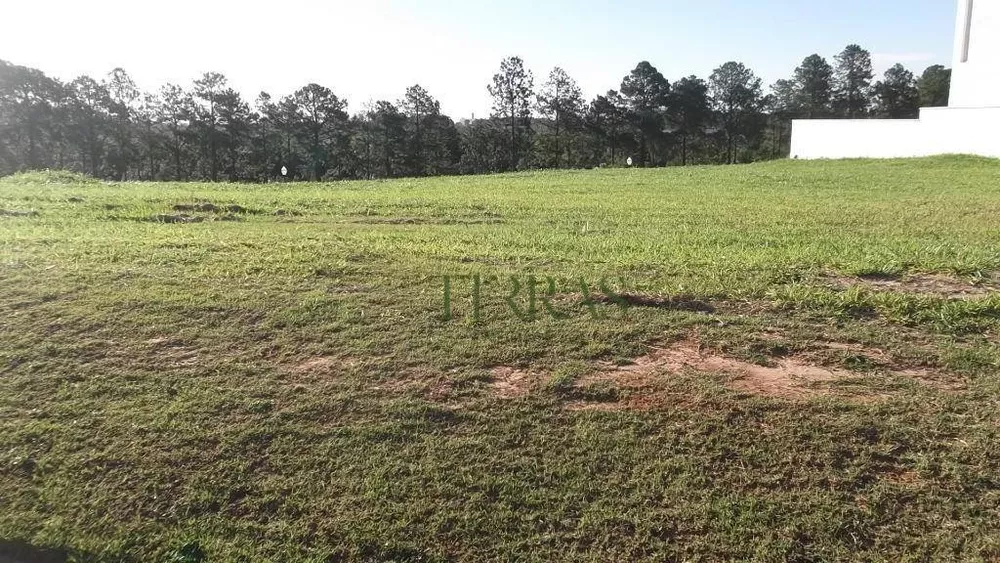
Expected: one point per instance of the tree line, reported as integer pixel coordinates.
(111, 129)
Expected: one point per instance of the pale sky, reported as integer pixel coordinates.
(373, 50)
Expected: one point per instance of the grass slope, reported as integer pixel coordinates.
(275, 380)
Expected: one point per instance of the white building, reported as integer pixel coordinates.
(969, 125)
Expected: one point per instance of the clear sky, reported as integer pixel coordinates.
(373, 49)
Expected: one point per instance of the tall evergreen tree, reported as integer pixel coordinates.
(935, 86)
(150, 150)
(606, 119)
(264, 139)
(234, 122)
(389, 126)
(512, 90)
(560, 101)
(89, 122)
(852, 81)
(27, 112)
(484, 146)
(443, 148)
(814, 85)
(689, 111)
(421, 111)
(320, 123)
(174, 115)
(737, 99)
(896, 95)
(646, 93)
(784, 105)
(207, 89)
(124, 97)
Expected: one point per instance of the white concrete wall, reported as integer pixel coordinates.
(976, 82)
(970, 125)
(855, 138)
(938, 131)
(961, 131)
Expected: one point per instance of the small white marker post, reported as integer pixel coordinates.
(629, 161)
(284, 172)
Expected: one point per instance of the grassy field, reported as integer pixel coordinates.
(781, 361)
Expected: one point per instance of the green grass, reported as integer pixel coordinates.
(277, 382)
(49, 177)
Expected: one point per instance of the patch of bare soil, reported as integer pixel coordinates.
(320, 364)
(790, 378)
(207, 207)
(203, 207)
(590, 406)
(378, 220)
(350, 289)
(509, 383)
(179, 218)
(673, 302)
(629, 300)
(903, 477)
(429, 384)
(173, 353)
(932, 379)
(937, 285)
(18, 213)
(796, 376)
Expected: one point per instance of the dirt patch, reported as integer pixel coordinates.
(185, 218)
(207, 207)
(321, 364)
(790, 378)
(440, 390)
(180, 218)
(17, 213)
(851, 356)
(173, 353)
(509, 383)
(430, 384)
(624, 301)
(343, 289)
(674, 302)
(933, 379)
(587, 406)
(903, 477)
(936, 285)
(644, 383)
(370, 220)
(201, 207)
(793, 376)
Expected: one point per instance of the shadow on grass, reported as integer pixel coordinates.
(674, 303)
(20, 552)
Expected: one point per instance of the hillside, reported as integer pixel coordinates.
(787, 360)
